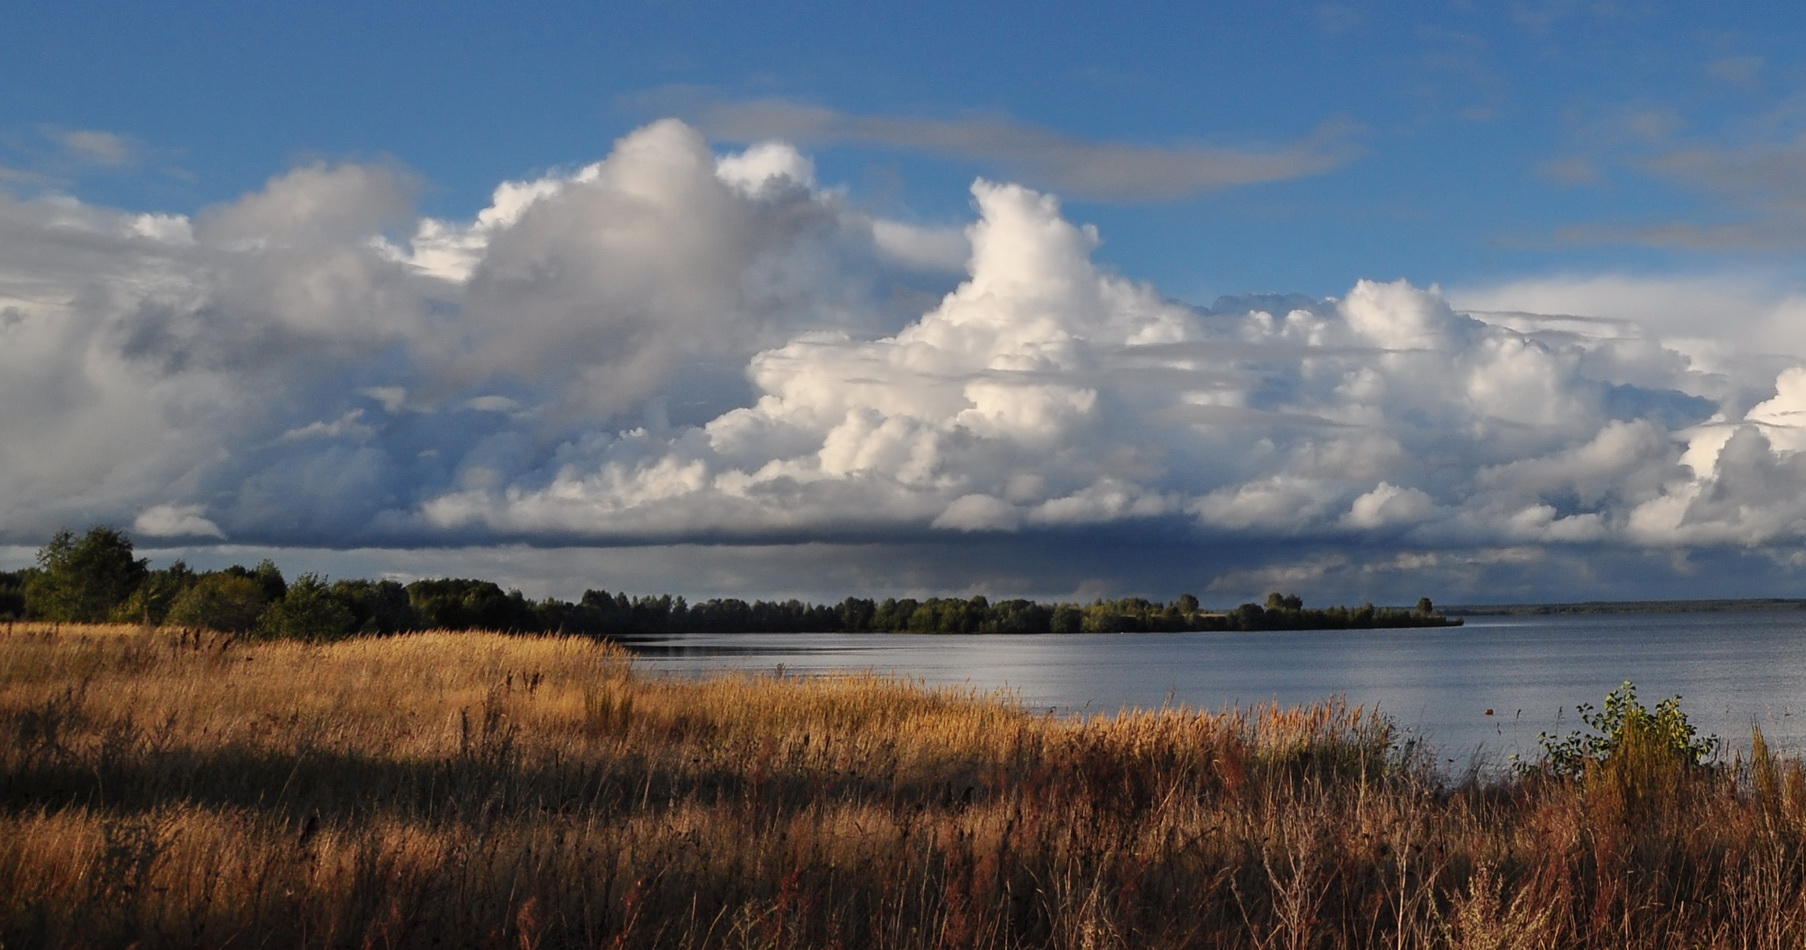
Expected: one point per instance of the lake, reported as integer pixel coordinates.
(1438, 684)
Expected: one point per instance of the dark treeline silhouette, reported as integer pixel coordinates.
(12, 594)
(94, 578)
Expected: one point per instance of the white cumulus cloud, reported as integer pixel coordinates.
(675, 345)
(175, 521)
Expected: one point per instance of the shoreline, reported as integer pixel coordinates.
(1713, 605)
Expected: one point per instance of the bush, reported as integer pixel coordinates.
(1626, 728)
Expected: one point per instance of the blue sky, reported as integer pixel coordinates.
(1467, 141)
(263, 294)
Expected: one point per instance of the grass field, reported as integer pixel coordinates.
(165, 789)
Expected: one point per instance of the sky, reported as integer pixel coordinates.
(1489, 302)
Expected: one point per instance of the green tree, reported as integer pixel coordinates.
(1066, 618)
(377, 606)
(83, 580)
(223, 601)
(308, 611)
(267, 575)
(1020, 616)
(464, 604)
(151, 602)
(855, 614)
(893, 615)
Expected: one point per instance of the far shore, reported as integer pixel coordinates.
(1720, 605)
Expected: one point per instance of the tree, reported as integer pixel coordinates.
(1425, 607)
(83, 580)
(309, 611)
(267, 575)
(1066, 619)
(377, 606)
(855, 614)
(156, 595)
(224, 601)
(1249, 617)
(464, 604)
(893, 615)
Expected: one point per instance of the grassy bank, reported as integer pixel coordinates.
(468, 789)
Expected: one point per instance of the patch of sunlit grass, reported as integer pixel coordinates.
(163, 789)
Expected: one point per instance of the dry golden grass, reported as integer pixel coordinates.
(456, 789)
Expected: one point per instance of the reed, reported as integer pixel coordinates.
(161, 788)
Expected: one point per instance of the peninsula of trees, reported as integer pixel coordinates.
(96, 578)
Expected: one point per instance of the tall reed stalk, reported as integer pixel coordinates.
(168, 789)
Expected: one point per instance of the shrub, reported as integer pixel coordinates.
(1626, 727)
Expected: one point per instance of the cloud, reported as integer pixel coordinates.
(678, 350)
(175, 521)
(304, 362)
(1024, 403)
(51, 158)
(1572, 170)
(1757, 192)
(1737, 329)
(94, 147)
(1108, 171)
(1744, 71)
(315, 203)
(1388, 504)
(20, 176)
(1762, 174)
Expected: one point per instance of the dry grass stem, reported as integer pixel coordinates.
(163, 789)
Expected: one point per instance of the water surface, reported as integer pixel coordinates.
(1732, 670)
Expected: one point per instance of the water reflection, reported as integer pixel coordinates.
(1732, 670)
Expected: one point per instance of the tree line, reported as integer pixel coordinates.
(95, 578)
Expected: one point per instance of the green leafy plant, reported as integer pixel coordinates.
(220, 601)
(82, 580)
(1625, 725)
(308, 611)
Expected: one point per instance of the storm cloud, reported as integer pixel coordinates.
(675, 346)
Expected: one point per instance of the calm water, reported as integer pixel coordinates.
(1731, 669)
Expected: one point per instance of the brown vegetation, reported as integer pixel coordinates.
(171, 790)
